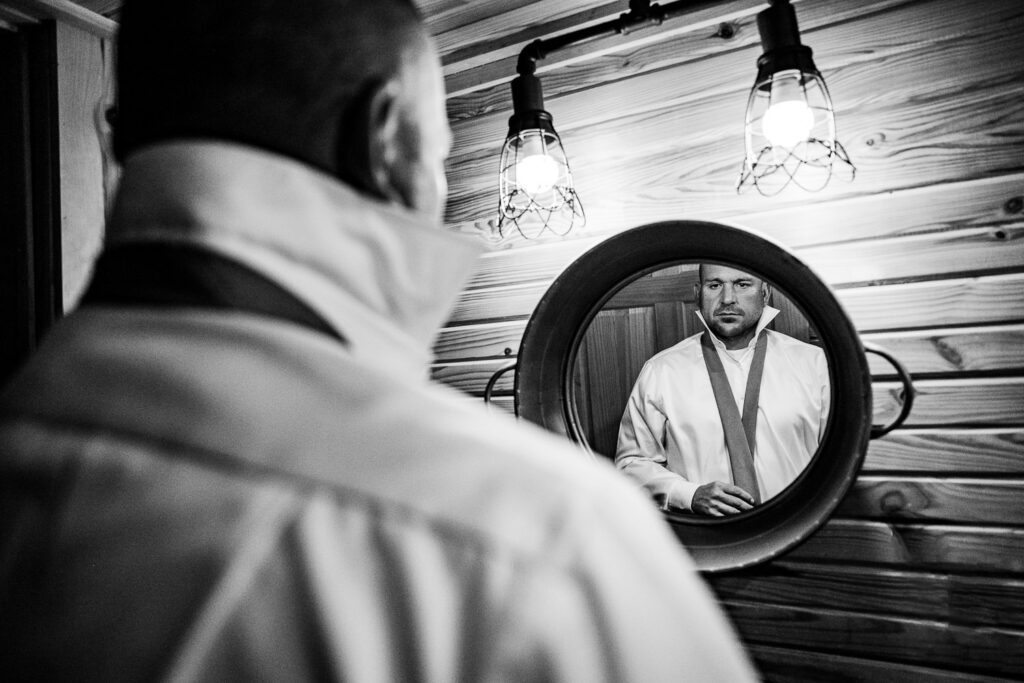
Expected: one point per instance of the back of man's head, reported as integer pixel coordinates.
(284, 75)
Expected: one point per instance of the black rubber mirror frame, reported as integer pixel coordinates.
(547, 355)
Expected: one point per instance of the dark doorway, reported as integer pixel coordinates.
(30, 253)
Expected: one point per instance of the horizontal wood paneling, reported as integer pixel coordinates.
(844, 53)
(974, 251)
(974, 207)
(984, 202)
(802, 666)
(683, 160)
(971, 251)
(941, 645)
(694, 176)
(468, 72)
(962, 600)
(938, 303)
(479, 340)
(915, 546)
(944, 450)
(982, 402)
(951, 350)
(681, 41)
(975, 501)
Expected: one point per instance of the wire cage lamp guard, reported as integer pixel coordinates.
(789, 130)
(790, 125)
(535, 181)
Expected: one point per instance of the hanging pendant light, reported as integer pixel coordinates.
(790, 129)
(535, 182)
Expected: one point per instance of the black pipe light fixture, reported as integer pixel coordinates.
(790, 124)
(790, 128)
(537, 193)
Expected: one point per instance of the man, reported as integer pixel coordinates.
(229, 464)
(727, 418)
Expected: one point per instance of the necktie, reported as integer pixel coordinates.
(740, 433)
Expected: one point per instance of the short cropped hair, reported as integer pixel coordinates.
(274, 73)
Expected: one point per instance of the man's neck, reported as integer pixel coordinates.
(740, 341)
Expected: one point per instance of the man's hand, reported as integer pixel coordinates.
(718, 499)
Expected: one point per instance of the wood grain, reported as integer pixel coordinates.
(952, 350)
(478, 68)
(657, 113)
(660, 176)
(680, 41)
(803, 666)
(982, 402)
(944, 450)
(964, 601)
(975, 501)
(990, 650)
(959, 252)
(978, 550)
(933, 303)
(842, 51)
(479, 340)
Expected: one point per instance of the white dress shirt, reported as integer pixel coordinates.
(195, 494)
(671, 438)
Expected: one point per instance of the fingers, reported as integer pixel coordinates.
(729, 505)
(718, 499)
(737, 492)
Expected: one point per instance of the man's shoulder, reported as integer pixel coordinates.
(685, 350)
(794, 345)
(299, 410)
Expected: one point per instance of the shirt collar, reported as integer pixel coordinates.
(361, 263)
(767, 315)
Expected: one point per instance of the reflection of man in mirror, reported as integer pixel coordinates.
(727, 418)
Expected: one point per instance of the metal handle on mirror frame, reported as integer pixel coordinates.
(908, 389)
(489, 389)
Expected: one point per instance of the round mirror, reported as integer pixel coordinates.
(611, 359)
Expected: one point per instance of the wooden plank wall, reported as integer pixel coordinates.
(920, 573)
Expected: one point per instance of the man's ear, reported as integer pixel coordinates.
(767, 290)
(365, 141)
(384, 141)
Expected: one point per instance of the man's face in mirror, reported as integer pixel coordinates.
(731, 302)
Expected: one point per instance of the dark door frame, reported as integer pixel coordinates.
(31, 297)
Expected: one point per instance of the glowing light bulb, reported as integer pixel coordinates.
(537, 173)
(788, 120)
(788, 123)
